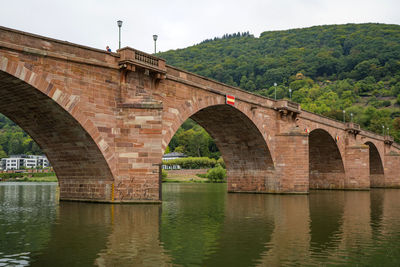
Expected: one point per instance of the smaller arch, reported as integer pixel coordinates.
(376, 170)
(249, 164)
(248, 160)
(325, 161)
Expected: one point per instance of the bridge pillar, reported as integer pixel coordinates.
(392, 175)
(292, 166)
(356, 164)
(138, 153)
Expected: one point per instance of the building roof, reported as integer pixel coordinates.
(174, 155)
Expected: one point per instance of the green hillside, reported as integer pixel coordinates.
(353, 67)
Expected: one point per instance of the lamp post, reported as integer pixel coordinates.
(351, 116)
(387, 131)
(275, 89)
(383, 129)
(155, 43)
(290, 94)
(119, 23)
(344, 116)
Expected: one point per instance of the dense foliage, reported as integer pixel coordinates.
(353, 67)
(13, 140)
(216, 174)
(192, 140)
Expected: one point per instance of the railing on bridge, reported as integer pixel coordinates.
(132, 59)
(388, 139)
(287, 108)
(353, 128)
(285, 105)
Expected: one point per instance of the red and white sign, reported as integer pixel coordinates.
(230, 100)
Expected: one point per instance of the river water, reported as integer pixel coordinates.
(201, 225)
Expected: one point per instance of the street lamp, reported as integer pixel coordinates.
(155, 41)
(387, 131)
(383, 129)
(290, 94)
(344, 116)
(275, 89)
(119, 23)
(351, 115)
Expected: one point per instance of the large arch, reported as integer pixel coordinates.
(248, 160)
(74, 155)
(325, 161)
(376, 171)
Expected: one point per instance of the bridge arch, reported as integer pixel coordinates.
(50, 116)
(376, 170)
(245, 151)
(325, 161)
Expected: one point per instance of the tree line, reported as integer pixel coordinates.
(13, 140)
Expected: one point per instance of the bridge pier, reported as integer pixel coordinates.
(292, 161)
(392, 175)
(356, 165)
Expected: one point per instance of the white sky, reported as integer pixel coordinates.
(181, 23)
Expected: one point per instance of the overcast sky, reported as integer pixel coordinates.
(181, 23)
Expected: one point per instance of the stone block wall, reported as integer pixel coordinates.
(357, 167)
(292, 167)
(392, 174)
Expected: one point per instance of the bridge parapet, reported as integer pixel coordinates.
(287, 107)
(353, 128)
(389, 140)
(131, 59)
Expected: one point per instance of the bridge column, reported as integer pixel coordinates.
(356, 164)
(138, 151)
(292, 161)
(392, 175)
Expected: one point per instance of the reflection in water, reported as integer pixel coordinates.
(326, 219)
(201, 225)
(191, 221)
(134, 237)
(377, 197)
(290, 239)
(248, 226)
(78, 234)
(26, 214)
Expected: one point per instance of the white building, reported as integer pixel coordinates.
(173, 155)
(17, 162)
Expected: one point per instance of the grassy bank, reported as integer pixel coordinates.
(28, 177)
(184, 179)
(32, 179)
(187, 178)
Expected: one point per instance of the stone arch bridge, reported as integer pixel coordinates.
(104, 120)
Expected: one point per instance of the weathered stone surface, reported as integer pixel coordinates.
(104, 120)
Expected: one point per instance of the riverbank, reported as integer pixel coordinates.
(186, 176)
(183, 176)
(45, 179)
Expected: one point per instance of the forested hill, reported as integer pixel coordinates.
(352, 67)
(322, 52)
